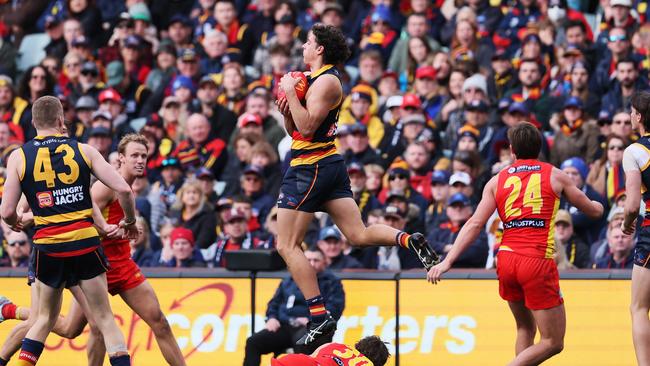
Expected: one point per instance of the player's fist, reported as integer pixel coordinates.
(294, 80)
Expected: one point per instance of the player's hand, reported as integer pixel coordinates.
(288, 84)
(436, 271)
(113, 231)
(628, 230)
(272, 325)
(130, 231)
(283, 107)
(18, 225)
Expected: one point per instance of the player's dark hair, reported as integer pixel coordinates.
(334, 43)
(525, 140)
(374, 349)
(641, 102)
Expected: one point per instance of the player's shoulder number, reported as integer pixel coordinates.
(43, 166)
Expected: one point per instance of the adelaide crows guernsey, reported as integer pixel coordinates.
(527, 205)
(56, 181)
(637, 157)
(320, 147)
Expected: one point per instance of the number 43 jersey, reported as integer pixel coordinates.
(56, 181)
(527, 205)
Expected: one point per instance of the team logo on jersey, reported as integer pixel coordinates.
(511, 170)
(45, 199)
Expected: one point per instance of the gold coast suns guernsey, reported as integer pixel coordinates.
(115, 249)
(56, 181)
(527, 206)
(320, 147)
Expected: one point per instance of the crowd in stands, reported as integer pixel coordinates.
(430, 90)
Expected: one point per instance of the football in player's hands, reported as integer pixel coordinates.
(301, 86)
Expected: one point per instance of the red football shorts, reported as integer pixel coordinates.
(123, 275)
(294, 359)
(533, 280)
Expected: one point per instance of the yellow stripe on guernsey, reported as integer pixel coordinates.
(61, 218)
(300, 145)
(75, 235)
(550, 241)
(313, 159)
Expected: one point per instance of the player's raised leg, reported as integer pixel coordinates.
(552, 327)
(639, 308)
(525, 322)
(144, 302)
(346, 216)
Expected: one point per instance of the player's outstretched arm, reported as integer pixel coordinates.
(12, 190)
(469, 232)
(577, 197)
(113, 180)
(322, 96)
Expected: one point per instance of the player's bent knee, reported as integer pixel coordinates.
(286, 247)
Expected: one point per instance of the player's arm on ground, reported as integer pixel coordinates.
(577, 197)
(113, 180)
(469, 232)
(12, 191)
(321, 97)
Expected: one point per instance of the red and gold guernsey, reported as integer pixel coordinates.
(115, 249)
(337, 354)
(527, 205)
(55, 179)
(319, 148)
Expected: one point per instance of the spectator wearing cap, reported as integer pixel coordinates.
(258, 103)
(131, 52)
(619, 16)
(284, 34)
(265, 156)
(416, 26)
(399, 178)
(461, 182)
(206, 180)
(427, 88)
(239, 34)
(222, 121)
(89, 81)
(133, 93)
(252, 186)
(233, 89)
(502, 75)
(35, 83)
(287, 313)
(410, 126)
(477, 116)
(531, 92)
(143, 28)
(162, 194)
(12, 108)
(365, 199)
(361, 108)
(183, 250)
(441, 238)
(474, 88)
(214, 45)
(54, 29)
(187, 64)
(236, 236)
(570, 251)
(576, 134)
(183, 88)
(170, 114)
(585, 228)
(191, 211)
(238, 158)
(627, 82)
(468, 139)
(111, 102)
(390, 258)
(101, 138)
(164, 68)
(606, 174)
(330, 242)
(439, 194)
(378, 33)
(359, 148)
(179, 31)
(198, 150)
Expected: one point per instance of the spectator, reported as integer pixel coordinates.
(214, 44)
(363, 110)
(531, 91)
(191, 211)
(358, 142)
(419, 164)
(239, 35)
(287, 313)
(182, 244)
(206, 179)
(241, 156)
(198, 150)
(570, 252)
(252, 183)
(621, 125)
(18, 247)
(620, 250)
(163, 192)
(458, 211)
(575, 134)
(284, 34)
(264, 156)
(374, 175)
(439, 195)
(330, 242)
(257, 103)
(606, 175)
(140, 247)
(236, 237)
(416, 26)
(364, 198)
(619, 94)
